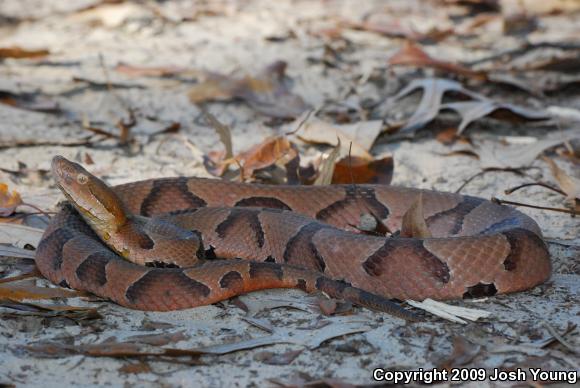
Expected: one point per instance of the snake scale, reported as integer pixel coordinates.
(175, 243)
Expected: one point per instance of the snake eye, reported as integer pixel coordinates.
(82, 179)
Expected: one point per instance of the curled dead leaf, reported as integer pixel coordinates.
(412, 54)
(9, 201)
(148, 71)
(414, 225)
(19, 291)
(268, 92)
(434, 89)
(20, 53)
(362, 170)
(463, 353)
(568, 184)
(272, 150)
(326, 171)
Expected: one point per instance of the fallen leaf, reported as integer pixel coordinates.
(361, 135)
(494, 155)
(269, 300)
(327, 306)
(433, 91)
(326, 171)
(148, 71)
(52, 311)
(312, 339)
(471, 111)
(267, 93)
(449, 312)
(16, 252)
(414, 225)
(463, 353)
(361, 170)
(160, 339)
(20, 235)
(479, 106)
(271, 358)
(542, 56)
(19, 53)
(9, 201)
(215, 87)
(106, 349)
(392, 27)
(29, 101)
(24, 290)
(413, 55)
(568, 184)
(224, 132)
(136, 368)
(265, 154)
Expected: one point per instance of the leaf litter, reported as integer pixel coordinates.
(260, 92)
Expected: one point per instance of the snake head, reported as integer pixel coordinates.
(95, 201)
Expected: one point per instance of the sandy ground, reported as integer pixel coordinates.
(243, 37)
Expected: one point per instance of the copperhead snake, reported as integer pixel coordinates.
(175, 243)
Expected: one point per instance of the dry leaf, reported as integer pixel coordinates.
(326, 171)
(471, 111)
(362, 135)
(414, 225)
(271, 358)
(338, 326)
(267, 93)
(16, 252)
(433, 91)
(20, 235)
(148, 71)
(28, 101)
(568, 184)
(495, 155)
(24, 290)
(355, 169)
(269, 300)
(449, 312)
(137, 368)
(413, 55)
(160, 339)
(431, 104)
(106, 349)
(224, 132)
(393, 28)
(463, 353)
(52, 311)
(19, 53)
(265, 154)
(327, 306)
(8, 201)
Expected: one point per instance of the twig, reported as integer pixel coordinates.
(517, 171)
(124, 126)
(301, 123)
(350, 164)
(39, 210)
(558, 337)
(554, 209)
(41, 143)
(513, 189)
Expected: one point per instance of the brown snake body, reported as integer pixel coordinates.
(280, 236)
